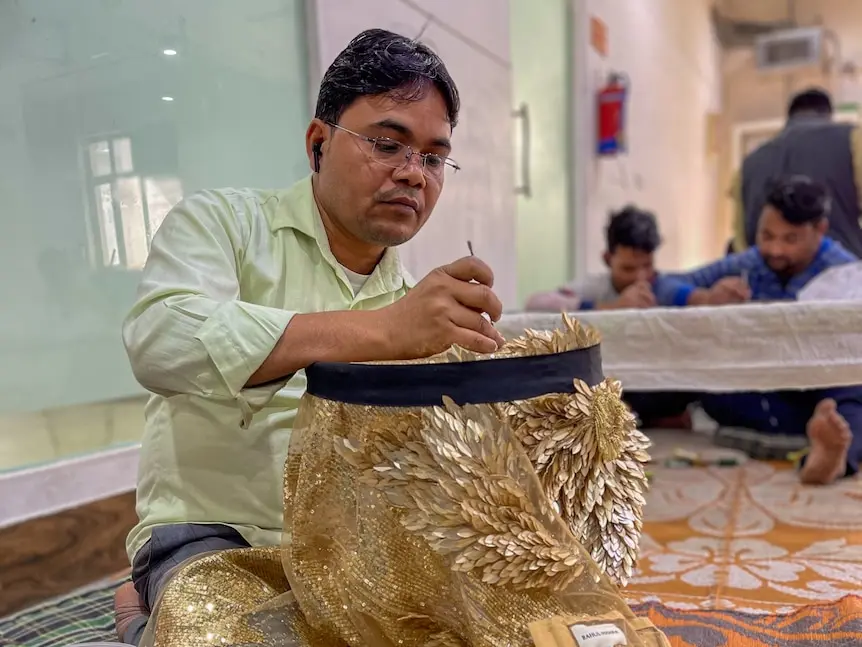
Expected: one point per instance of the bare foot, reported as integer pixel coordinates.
(127, 607)
(830, 437)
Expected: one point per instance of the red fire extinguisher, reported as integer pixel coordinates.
(611, 115)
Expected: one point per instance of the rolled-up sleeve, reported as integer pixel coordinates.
(189, 332)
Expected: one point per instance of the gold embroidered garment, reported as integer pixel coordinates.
(516, 500)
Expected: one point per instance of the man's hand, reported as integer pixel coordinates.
(444, 309)
(637, 295)
(731, 289)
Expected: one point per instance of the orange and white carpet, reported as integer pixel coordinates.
(748, 538)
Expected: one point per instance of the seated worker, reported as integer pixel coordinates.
(245, 288)
(631, 281)
(791, 250)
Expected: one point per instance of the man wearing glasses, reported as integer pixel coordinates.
(245, 288)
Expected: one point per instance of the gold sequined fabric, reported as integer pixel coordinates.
(435, 526)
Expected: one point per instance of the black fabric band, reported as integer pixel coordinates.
(483, 381)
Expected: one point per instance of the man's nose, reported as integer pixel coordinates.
(773, 249)
(411, 172)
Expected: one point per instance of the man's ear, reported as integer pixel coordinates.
(316, 135)
(606, 257)
(822, 226)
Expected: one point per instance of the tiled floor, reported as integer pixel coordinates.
(28, 439)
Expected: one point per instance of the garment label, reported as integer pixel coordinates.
(607, 635)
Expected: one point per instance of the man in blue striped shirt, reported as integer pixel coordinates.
(791, 250)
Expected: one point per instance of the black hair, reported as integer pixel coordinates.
(380, 62)
(799, 199)
(633, 227)
(811, 101)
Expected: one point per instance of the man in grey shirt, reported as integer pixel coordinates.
(632, 280)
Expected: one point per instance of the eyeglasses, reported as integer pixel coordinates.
(395, 155)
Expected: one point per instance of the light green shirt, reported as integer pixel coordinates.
(227, 271)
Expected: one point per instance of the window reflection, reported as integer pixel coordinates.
(161, 193)
(135, 240)
(100, 159)
(107, 229)
(128, 208)
(122, 158)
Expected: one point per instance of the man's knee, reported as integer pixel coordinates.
(170, 546)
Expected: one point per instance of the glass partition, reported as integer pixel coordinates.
(111, 112)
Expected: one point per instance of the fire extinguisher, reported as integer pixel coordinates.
(611, 115)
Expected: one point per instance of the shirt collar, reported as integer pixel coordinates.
(807, 120)
(825, 245)
(298, 210)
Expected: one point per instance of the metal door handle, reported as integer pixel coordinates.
(525, 187)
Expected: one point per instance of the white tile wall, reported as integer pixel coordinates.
(478, 204)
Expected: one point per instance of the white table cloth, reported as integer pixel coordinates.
(752, 347)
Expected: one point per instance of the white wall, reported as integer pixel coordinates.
(477, 204)
(752, 95)
(668, 50)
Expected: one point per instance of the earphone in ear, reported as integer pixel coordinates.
(316, 152)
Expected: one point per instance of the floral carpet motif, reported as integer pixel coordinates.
(748, 539)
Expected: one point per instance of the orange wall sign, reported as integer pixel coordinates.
(599, 35)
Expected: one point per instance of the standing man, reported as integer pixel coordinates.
(811, 144)
(245, 288)
(791, 250)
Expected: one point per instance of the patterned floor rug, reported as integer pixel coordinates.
(837, 624)
(748, 538)
(84, 616)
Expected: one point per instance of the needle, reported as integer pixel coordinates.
(470, 247)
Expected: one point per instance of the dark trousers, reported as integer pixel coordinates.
(787, 413)
(776, 412)
(653, 406)
(169, 547)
